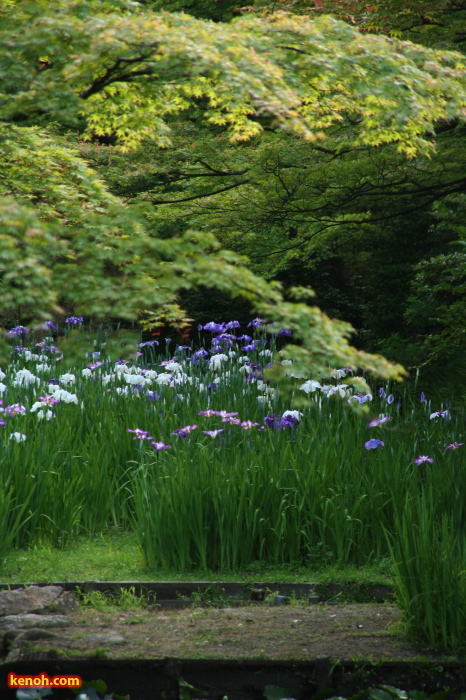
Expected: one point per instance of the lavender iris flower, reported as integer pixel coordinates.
(440, 414)
(213, 433)
(377, 422)
(373, 444)
(232, 324)
(215, 327)
(277, 423)
(423, 458)
(47, 325)
(248, 424)
(423, 397)
(140, 434)
(74, 319)
(149, 343)
(454, 445)
(256, 322)
(183, 432)
(390, 398)
(382, 393)
(249, 348)
(161, 446)
(284, 332)
(18, 331)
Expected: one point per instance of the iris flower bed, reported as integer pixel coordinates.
(199, 455)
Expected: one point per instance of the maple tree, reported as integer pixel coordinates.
(118, 72)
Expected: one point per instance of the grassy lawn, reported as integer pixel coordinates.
(116, 557)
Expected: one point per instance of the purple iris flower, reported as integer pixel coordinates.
(249, 348)
(377, 422)
(284, 332)
(74, 319)
(423, 458)
(440, 414)
(232, 324)
(256, 322)
(208, 414)
(245, 338)
(373, 444)
(215, 327)
(362, 398)
(54, 381)
(140, 434)
(289, 422)
(454, 445)
(149, 343)
(168, 362)
(2, 422)
(200, 353)
(423, 397)
(382, 392)
(47, 325)
(153, 395)
(277, 423)
(248, 424)
(390, 398)
(161, 446)
(94, 365)
(183, 432)
(213, 433)
(18, 331)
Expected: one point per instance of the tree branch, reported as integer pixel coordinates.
(199, 196)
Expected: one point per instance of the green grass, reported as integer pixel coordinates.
(117, 557)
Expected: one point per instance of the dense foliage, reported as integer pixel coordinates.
(132, 84)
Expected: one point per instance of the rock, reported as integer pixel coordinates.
(104, 638)
(9, 622)
(15, 640)
(36, 599)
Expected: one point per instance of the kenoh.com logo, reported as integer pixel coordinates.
(43, 680)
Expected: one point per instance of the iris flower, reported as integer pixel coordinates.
(183, 432)
(18, 331)
(74, 319)
(440, 414)
(373, 444)
(378, 421)
(213, 433)
(248, 424)
(19, 437)
(423, 458)
(160, 446)
(454, 445)
(140, 434)
(225, 414)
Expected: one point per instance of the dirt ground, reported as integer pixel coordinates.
(351, 631)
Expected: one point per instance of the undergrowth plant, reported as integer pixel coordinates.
(198, 454)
